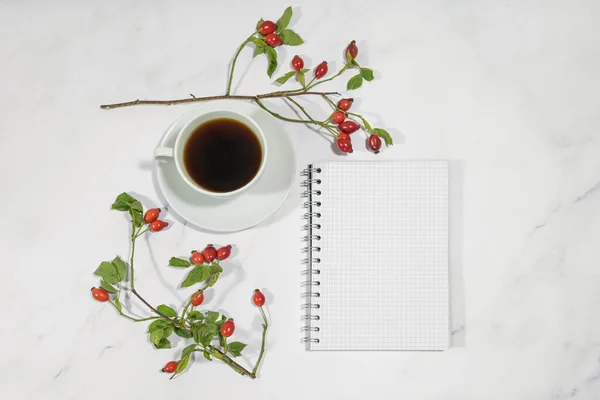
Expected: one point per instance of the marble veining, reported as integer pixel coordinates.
(508, 89)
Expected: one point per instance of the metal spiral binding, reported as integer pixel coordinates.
(312, 204)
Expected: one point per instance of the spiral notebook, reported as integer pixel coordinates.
(375, 255)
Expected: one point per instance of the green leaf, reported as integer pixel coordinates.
(382, 133)
(235, 348)
(367, 74)
(220, 322)
(283, 79)
(188, 350)
(108, 287)
(354, 64)
(300, 78)
(349, 58)
(204, 335)
(118, 305)
(108, 272)
(125, 198)
(355, 82)
(260, 45)
(259, 23)
(179, 262)
(272, 58)
(156, 335)
(213, 279)
(216, 268)
(199, 274)
(120, 266)
(207, 355)
(284, 21)
(137, 206)
(212, 327)
(290, 38)
(211, 317)
(125, 202)
(120, 206)
(222, 340)
(196, 335)
(163, 344)
(195, 315)
(166, 310)
(168, 331)
(136, 217)
(258, 50)
(158, 324)
(182, 333)
(259, 42)
(181, 365)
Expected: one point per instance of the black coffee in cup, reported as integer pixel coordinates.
(222, 155)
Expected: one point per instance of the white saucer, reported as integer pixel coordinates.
(252, 206)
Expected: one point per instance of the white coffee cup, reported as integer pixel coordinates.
(177, 151)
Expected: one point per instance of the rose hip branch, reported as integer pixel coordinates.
(269, 35)
(209, 330)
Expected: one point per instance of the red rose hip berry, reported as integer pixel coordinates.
(100, 295)
(197, 257)
(297, 63)
(374, 143)
(227, 328)
(273, 40)
(348, 126)
(197, 299)
(345, 104)
(258, 298)
(224, 252)
(352, 50)
(151, 215)
(338, 117)
(158, 225)
(344, 136)
(210, 253)
(345, 145)
(321, 70)
(267, 27)
(170, 367)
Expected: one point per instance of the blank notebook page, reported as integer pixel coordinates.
(384, 256)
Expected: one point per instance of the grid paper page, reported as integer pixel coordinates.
(384, 256)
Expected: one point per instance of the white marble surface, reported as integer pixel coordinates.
(509, 89)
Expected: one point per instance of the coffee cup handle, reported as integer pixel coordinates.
(163, 152)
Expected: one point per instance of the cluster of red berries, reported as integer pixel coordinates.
(339, 117)
(347, 127)
(210, 254)
(227, 329)
(151, 217)
(267, 29)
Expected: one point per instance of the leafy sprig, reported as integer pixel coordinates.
(288, 37)
(203, 327)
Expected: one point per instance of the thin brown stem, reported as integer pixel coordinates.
(134, 236)
(219, 355)
(322, 124)
(129, 316)
(235, 60)
(273, 113)
(341, 71)
(154, 310)
(262, 345)
(208, 98)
